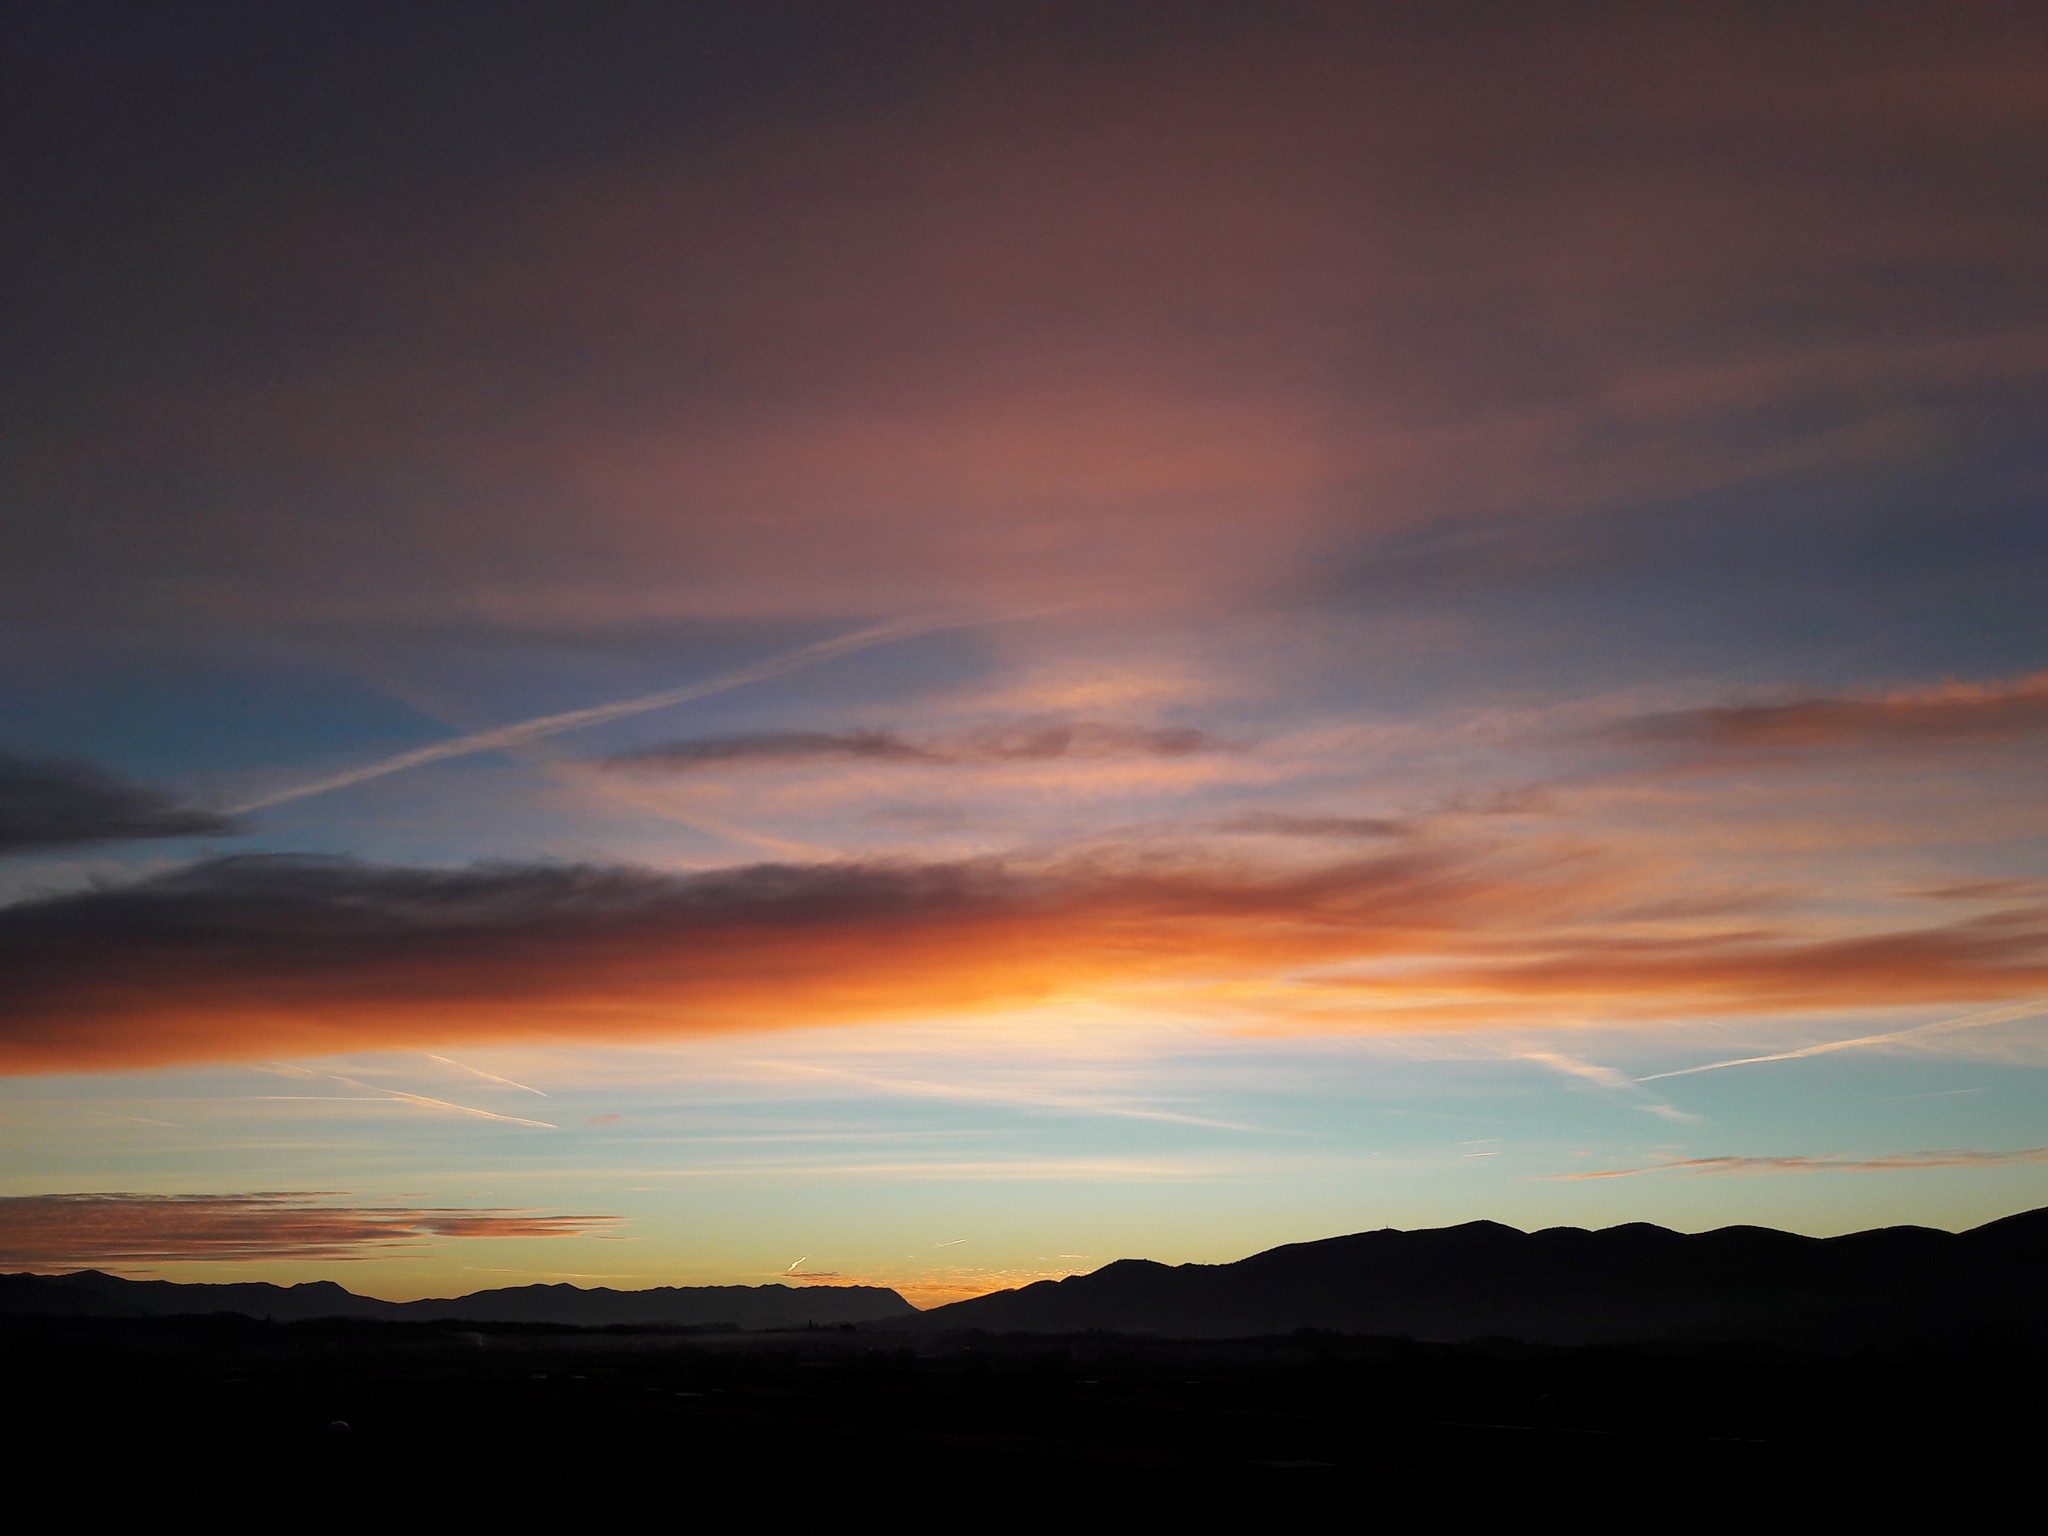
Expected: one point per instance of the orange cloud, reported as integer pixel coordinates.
(295, 956)
(283, 956)
(52, 1231)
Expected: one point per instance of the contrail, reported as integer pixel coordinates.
(972, 1094)
(1939, 1027)
(489, 1077)
(463, 1109)
(403, 1097)
(576, 719)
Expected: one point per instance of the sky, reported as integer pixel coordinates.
(929, 645)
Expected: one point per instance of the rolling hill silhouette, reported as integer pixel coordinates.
(89, 1293)
(1565, 1285)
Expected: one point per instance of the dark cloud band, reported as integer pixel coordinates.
(1003, 744)
(57, 803)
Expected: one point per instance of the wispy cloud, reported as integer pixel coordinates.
(48, 1231)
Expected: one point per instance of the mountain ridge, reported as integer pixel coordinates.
(94, 1293)
(1634, 1283)
(1631, 1283)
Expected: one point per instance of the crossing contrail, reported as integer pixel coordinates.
(399, 1095)
(576, 719)
(489, 1077)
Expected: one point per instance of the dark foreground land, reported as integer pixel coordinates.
(233, 1421)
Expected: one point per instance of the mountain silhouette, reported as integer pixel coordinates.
(1567, 1286)
(89, 1293)
(1563, 1286)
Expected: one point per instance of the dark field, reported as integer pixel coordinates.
(233, 1421)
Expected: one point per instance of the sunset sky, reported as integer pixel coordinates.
(674, 643)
